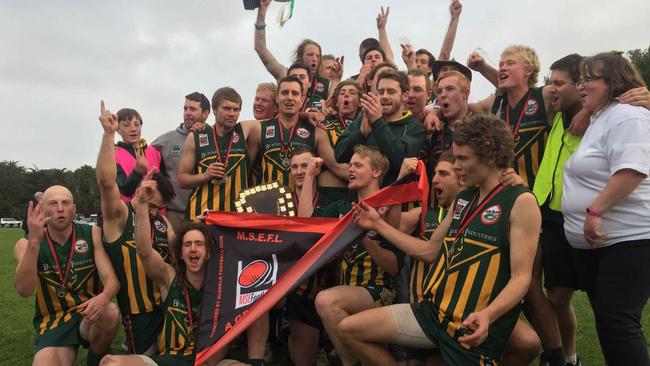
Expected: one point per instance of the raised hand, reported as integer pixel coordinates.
(409, 165)
(408, 56)
(36, 220)
(382, 18)
(371, 107)
(338, 68)
(475, 61)
(146, 190)
(141, 163)
(108, 119)
(314, 165)
(455, 8)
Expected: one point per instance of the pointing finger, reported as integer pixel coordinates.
(102, 108)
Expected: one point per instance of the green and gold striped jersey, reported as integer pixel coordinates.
(472, 268)
(138, 293)
(277, 143)
(421, 272)
(177, 337)
(56, 302)
(530, 134)
(334, 127)
(219, 195)
(357, 267)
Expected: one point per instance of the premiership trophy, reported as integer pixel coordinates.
(272, 199)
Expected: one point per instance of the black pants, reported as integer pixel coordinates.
(617, 280)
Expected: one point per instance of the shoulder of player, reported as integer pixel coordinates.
(524, 208)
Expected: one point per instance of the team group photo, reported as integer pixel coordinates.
(407, 183)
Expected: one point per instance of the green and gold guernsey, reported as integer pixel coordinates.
(276, 145)
(219, 195)
(318, 91)
(178, 335)
(56, 302)
(138, 293)
(529, 125)
(357, 267)
(334, 127)
(421, 272)
(472, 269)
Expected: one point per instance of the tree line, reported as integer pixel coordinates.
(18, 185)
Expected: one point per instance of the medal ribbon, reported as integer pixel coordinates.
(216, 143)
(342, 120)
(62, 277)
(515, 129)
(465, 220)
(285, 148)
(189, 308)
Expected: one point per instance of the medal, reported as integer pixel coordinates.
(225, 157)
(61, 290)
(515, 129)
(285, 149)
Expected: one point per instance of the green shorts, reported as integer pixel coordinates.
(302, 309)
(327, 195)
(64, 335)
(381, 295)
(142, 330)
(453, 353)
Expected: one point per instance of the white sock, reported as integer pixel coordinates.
(571, 359)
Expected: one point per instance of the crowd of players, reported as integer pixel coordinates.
(447, 293)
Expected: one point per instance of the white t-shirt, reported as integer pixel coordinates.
(617, 138)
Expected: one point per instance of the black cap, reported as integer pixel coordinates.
(437, 65)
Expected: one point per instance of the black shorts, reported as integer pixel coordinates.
(557, 257)
(142, 330)
(302, 309)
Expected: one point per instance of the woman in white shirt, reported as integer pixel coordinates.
(606, 207)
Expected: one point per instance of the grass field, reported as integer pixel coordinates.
(17, 340)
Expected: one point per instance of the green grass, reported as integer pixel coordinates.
(17, 340)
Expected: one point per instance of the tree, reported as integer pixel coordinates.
(14, 193)
(641, 59)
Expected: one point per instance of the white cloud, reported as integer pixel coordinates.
(59, 59)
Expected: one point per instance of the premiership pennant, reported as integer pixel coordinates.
(261, 258)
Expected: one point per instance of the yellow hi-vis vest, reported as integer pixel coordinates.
(559, 147)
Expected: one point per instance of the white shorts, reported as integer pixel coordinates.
(409, 332)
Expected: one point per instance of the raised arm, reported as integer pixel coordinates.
(476, 62)
(384, 43)
(94, 307)
(448, 43)
(270, 62)
(525, 224)
(325, 151)
(26, 251)
(114, 211)
(482, 106)
(153, 263)
(306, 203)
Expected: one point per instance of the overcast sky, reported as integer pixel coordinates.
(59, 58)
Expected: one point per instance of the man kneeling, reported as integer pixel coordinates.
(483, 254)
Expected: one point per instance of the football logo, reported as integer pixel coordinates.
(491, 215)
(531, 107)
(460, 206)
(81, 246)
(254, 280)
(203, 140)
(160, 226)
(302, 132)
(270, 132)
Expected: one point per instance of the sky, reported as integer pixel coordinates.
(60, 58)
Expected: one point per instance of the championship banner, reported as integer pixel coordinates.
(260, 258)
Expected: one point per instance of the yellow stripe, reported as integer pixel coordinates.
(521, 169)
(465, 292)
(437, 277)
(450, 286)
(488, 282)
(129, 280)
(43, 309)
(142, 280)
(534, 157)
